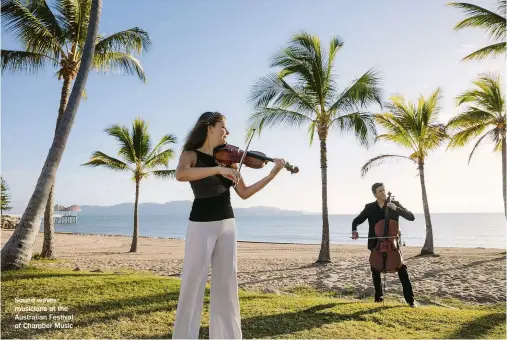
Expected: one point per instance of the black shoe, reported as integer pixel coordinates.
(413, 305)
(379, 299)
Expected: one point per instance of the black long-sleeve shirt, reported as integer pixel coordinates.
(374, 213)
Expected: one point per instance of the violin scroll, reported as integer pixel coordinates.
(291, 168)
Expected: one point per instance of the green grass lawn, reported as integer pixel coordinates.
(138, 305)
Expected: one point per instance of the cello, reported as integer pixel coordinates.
(386, 256)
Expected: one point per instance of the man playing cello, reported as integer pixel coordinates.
(375, 212)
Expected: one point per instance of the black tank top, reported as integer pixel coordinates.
(212, 200)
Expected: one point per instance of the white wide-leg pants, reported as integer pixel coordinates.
(207, 242)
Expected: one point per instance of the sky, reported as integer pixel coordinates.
(206, 55)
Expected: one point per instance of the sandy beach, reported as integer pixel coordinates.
(470, 275)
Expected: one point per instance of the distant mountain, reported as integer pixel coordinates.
(177, 208)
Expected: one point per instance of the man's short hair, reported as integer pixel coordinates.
(375, 186)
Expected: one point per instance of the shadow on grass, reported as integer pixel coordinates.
(13, 276)
(104, 311)
(267, 326)
(110, 300)
(480, 327)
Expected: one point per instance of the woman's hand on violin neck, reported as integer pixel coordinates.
(279, 165)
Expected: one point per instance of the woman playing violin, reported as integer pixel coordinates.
(211, 232)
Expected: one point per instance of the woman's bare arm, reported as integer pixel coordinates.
(185, 171)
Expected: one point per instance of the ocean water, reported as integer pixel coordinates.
(487, 230)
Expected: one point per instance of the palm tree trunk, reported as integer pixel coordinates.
(324, 255)
(133, 247)
(428, 242)
(17, 252)
(48, 247)
(504, 156)
(64, 98)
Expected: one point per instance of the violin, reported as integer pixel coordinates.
(228, 154)
(386, 256)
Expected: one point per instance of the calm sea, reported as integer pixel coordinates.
(486, 230)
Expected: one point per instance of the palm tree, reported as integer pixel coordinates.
(57, 38)
(5, 196)
(492, 23)
(17, 252)
(416, 128)
(313, 99)
(136, 157)
(486, 112)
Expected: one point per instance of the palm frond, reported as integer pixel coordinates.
(310, 65)
(494, 50)
(164, 173)
(297, 63)
(400, 139)
(22, 61)
(472, 117)
(273, 117)
(310, 44)
(140, 138)
(101, 159)
(399, 132)
(399, 107)
(165, 140)
(434, 135)
(429, 108)
(497, 138)
(122, 134)
(29, 29)
(488, 110)
(463, 136)
(74, 16)
(120, 62)
(418, 155)
(490, 133)
(334, 46)
(414, 126)
(363, 92)
(487, 94)
(311, 131)
(273, 90)
(361, 123)
(41, 10)
(66, 14)
(492, 23)
(128, 41)
(159, 159)
(379, 160)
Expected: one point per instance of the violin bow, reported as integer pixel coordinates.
(244, 153)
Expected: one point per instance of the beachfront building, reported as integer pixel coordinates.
(64, 215)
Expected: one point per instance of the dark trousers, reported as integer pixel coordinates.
(405, 282)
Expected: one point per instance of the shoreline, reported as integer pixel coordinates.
(472, 275)
(255, 242)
